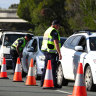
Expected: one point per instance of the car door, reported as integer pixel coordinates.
(68, 52)
(79, 56)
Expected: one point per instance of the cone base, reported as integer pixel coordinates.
(4, 78)
(47, 87)
(79, 91)
(17, 77)
(31, 81)
(48, 84)
(18, 81)
(3, 75)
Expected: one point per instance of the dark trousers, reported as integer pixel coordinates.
(14, 56)
(52, 57)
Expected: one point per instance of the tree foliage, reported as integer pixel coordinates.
(81, 14)
(41, 13)
(13, 6)
(73, 14)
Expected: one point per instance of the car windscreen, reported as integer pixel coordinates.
(92, 41)
(40, 42)
(10, 38)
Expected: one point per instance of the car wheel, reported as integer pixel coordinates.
(88, 79)
(60, 78)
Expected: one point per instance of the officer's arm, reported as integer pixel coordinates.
(17, 49)
(54, 34)
(56, 42)
(20, 42)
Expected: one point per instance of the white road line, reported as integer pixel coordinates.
(63, 91)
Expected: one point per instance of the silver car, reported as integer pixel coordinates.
(33, 51)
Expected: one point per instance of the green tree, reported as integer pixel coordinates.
(13, 6)
(81, 14)
(41, 13)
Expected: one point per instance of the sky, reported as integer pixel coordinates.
(6, 3)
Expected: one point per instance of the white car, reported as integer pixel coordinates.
(78, 48)
(33, 51)
(7, 37)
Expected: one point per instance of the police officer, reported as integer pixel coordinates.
(17, 48)
(50, 46)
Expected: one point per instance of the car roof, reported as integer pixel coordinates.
(38, 37)
(14, 33)
(5, 31)
(42, 37)
(86, 33)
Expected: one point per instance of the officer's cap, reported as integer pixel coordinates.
(55, 22)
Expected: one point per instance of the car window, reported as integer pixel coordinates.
(34, 44)
(28, 45)
(68, 41)
(10, 38)
(92, 41)
(75, 41)
(72, 42)
(40, 42)
(82, 43)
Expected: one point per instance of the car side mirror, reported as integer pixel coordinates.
(78, 48)
(31, 49)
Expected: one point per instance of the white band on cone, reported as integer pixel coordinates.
(31, 71)
(3, 69)
(18, 68)
(48, 75)
(80, 80)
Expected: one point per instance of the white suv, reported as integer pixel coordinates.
(7, 37)
(78, 48)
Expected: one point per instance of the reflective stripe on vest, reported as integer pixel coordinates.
(47, 39)
(16, 42)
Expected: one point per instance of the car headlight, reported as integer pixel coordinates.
(42, 58)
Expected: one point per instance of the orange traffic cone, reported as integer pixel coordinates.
(17, 75)
(48, 81)
(79, 87)
(31, 76)
(3, 74)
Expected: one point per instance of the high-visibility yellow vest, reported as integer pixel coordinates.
(48, 39)
(16, 43)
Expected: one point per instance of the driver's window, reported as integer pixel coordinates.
(28, 45)
(83, 43)
(34, 44)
